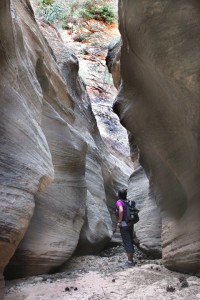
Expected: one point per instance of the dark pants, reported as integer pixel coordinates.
(127, 238)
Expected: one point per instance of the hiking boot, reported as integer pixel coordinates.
(128, 264)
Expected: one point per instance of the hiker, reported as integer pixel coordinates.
(126, 230)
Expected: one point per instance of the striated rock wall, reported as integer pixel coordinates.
(58, 212)
(26, 164)
(54, 229)
(99, 219)
(56, 194)
(158, 102)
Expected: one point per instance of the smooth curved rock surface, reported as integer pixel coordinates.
(26, 164)
(45, 81)
(57, 134)
(158, 103)
(99, 221)
(54, 229)
(148, 229)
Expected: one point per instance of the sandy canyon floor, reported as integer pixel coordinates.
(105, 277)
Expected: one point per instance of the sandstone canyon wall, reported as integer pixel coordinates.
(58, 181)
(148, 230)
(158, 103)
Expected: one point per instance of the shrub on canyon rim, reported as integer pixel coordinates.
(98, 10)
(48, 2)
(49, 10)
(63, 12)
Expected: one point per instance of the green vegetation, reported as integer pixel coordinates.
(98, 11)
(63, 12)
(47, 2)
(49, 12)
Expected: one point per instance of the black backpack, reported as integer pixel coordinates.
(132, 216)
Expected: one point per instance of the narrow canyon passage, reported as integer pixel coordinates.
(98, 96)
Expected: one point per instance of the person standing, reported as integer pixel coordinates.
(126, 230)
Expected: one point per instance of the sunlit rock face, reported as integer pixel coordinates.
(54, 163)
(158, 103)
